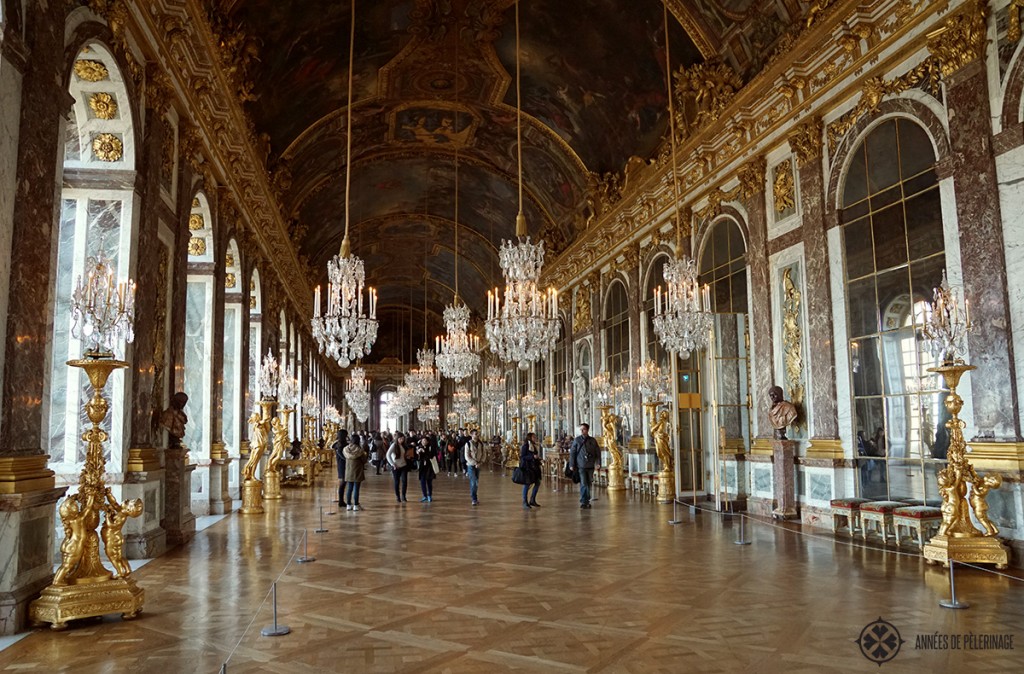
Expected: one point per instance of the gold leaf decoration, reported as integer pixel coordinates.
(103, 105)
(195, 222)
(792, 337)
(229, 260)
(229, 281)
(195, 202)
(91, 71)
(107, 147)
(784, 187)
(197, 246)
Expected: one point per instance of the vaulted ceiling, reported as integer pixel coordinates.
(435, 78)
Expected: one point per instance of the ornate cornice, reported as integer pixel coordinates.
(962, 40)
(806, 142)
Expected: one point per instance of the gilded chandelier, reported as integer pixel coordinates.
(102, 309)
(682, 312)
(525, 327)
(345, 333)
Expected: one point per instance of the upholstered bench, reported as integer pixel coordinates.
(922, 520)
(601, 476)
(847, 509)
(647, 483)
(878, 513)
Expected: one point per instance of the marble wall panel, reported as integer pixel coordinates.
(844, 395)
(1010, 167)
(761, 364)
(10, 93)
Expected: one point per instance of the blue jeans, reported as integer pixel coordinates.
(352, 492)
(586, 479)
(474, 480)
(400, 475)
(533, 496)
(427, 485)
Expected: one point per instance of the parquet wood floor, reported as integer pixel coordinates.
(444, 587)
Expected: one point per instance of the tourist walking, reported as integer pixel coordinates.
(340, 443)
(583, 456)
(475, 455)
(399, 466)
(355, 472)
(529, 464)
(427, 473)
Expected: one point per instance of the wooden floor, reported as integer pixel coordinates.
(444, 587)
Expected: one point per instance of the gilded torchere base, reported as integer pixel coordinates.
(968, 549)
(666, 486)
(60, 603)
(616, 479)
(272, 485)
(252, 498)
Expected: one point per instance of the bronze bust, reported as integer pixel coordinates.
(782, 414)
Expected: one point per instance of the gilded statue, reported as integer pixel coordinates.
(782, 413)
(659, 431)
(257, 445)
(609, 422)
(980, 505)
(111, 531)
(281, 443)
(72, 516)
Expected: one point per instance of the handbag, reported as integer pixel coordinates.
(568, 471)
(519, 475)
(433, 464)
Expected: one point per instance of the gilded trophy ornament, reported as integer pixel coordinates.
(784, 187)
(91, 71)
(107, 147)
(103, 105)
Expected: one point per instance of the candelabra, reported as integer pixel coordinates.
(252, 488)
(429, 411)
(82, 587)
(332, 424)
(287, 399)
(310, 413)
(655, 391)
(682, 312)
(604, 396)
(947, 327)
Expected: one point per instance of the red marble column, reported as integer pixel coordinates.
(993, 393)
(763, 369)
(806, 142)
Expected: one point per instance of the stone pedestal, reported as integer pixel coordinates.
(666, 486)
(783, 469)
(616, 479)
(272, 485)
(145, 479)
(220, 491)
(178, 522)
(27, 524)
(252, 498)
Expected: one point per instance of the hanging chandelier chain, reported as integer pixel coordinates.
(348, 123)
(672, 132)
(521, 219)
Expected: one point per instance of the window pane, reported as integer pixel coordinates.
(883, 167)
(863, 308)
(856, 179)
(890, 238)
(867, 372)
(916, 152)
(860, 255)
(894, 298)
(924, 224)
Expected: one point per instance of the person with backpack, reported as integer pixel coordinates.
(340, 443)
(355, 472)
(583, 456)
(426, 469)
(475, 453)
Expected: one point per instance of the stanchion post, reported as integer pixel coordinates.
(741, 538)
(675, 513)
(305, 558)
(952, 602)
(224, 668)
(321, 530)
(275, 630)
(330, 508)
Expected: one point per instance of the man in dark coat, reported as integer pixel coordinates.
(583, 456)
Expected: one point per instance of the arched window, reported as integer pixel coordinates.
(723, 265)
(616, 334)
(891, 221)
(97, 211)
(388, 418)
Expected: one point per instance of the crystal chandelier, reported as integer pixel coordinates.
(345, 333)
(654, 386)
(423, 381)
(457, 356)
(682, 313)
(945, 326)
(288, 390)
(601, 387)
(429, 411)
(310, 405)
(473, 412)
(462, 400)
(494, 387)
(529, 404)
(102, 310)
(525, 327)
(358, 394)
(452, 418)
(332, 415)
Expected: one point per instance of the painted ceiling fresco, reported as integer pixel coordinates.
(593, 96)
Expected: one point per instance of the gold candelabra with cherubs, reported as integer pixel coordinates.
(958, 539)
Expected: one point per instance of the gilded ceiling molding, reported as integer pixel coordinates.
(701, 35)
(1013, 13)
(962, 40)
(806, 141)
(848, 37)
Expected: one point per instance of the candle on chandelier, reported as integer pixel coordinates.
(316, 302)
(437, 344)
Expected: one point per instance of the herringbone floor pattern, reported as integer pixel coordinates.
(444, 587)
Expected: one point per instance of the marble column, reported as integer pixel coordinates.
(993, 392)
(760, 306)
(31, 123)
(806, 142)
(636, 300)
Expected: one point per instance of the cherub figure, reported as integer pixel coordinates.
(980, 505)
(111, 531)
(72, 516)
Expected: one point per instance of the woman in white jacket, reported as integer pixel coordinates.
(399, 467)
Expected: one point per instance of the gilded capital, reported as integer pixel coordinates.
(806, 141)
(962, 40)
(752, 176)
